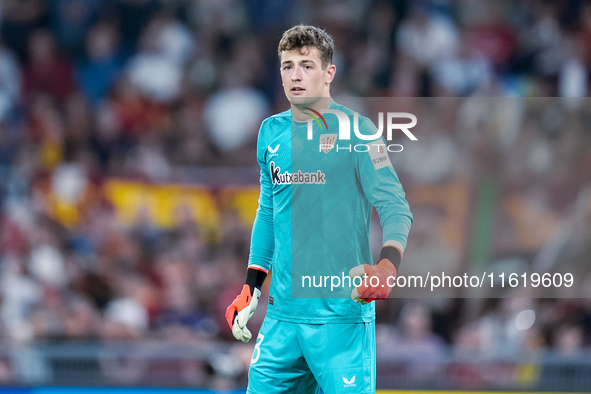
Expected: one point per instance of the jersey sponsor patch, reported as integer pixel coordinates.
(379, 155)
(287, 178)
(327, 142)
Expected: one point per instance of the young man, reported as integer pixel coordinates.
(313, 220)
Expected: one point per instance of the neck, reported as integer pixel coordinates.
(298, 111)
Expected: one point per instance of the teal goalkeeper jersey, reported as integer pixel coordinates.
(313, 220)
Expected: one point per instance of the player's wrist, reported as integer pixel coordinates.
(255, 278)
(391, 254)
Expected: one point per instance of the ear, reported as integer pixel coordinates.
(330, 73)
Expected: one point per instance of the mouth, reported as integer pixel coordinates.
(297, 90)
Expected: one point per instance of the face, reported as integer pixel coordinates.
(304, 79)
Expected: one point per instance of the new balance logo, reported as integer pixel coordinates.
(349, 383)
(287, 178)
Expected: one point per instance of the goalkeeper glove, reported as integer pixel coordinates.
(243, 307)
(374, 285)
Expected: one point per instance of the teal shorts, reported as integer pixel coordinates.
(304, 358)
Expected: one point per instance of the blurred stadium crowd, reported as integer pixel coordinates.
(147, 91)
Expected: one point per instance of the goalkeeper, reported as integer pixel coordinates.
(313, 218)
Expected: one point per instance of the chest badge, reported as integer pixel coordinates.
(327, 142)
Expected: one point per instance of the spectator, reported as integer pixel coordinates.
(70, 20)
(424, 39)
(232, 116)
(20, 295)
(97, 74)
(152, 70)
(10, 84)
(19, 19)
(47, 70)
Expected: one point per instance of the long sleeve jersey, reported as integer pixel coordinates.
(313, 220)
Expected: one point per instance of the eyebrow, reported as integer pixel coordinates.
(303, 61)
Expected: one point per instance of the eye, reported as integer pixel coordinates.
(286, 67)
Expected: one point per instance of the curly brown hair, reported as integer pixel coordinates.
(302, 36)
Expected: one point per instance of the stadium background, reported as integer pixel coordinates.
(129, 182)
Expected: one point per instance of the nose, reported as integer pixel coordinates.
(296, 75)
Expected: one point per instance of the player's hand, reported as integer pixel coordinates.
(377, 275)
(240, 312)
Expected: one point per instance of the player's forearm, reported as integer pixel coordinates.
(262, 243)
(396, 229)
(395, 236)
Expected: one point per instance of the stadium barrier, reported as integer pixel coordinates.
(129, 390)
(152, 364)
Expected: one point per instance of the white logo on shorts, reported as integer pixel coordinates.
(349, 383)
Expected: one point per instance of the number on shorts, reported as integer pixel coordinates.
(257, 349)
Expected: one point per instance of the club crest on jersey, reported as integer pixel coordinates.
(327, 142)
(287, 178)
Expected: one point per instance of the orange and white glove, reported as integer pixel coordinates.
(240, 312)
(374, 284)
(243, 307)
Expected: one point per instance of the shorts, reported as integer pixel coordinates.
(304, 358)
